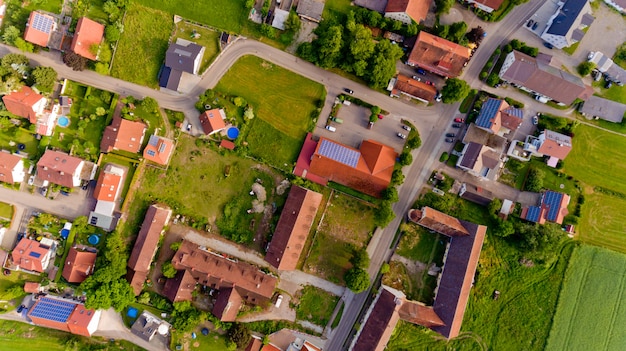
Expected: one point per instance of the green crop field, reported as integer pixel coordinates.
(602, 222)
(591, 313)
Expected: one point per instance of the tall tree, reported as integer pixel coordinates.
(383, 63)
(44, 78)
(454, 90)
(329, 46)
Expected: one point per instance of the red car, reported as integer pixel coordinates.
(459, 120)
(381, 116)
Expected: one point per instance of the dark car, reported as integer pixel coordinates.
(421, 71)
(85, 186)
(530, 23)
(20, 309)
(535, 25)
(64, 193)
(349, 91)
(456, 125)
(548, 45)
(450, 135)
(609, 83)
(449, 140)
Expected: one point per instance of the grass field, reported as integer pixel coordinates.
(141, 49)
(592, 309)
(336, 8)
(282, 101)
(603, 221)
(6, 211)
(348, 223)
(316, 305)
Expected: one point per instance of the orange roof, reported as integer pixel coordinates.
(78, 265)
(438, 55)
(555, 144)
(31, 287)
(20, 103)
(8, 162)
(438, 221)
(227, 144)
(87, 33)
(414, 88)
(38, 28)
(123, 134)
(270, 347)
(227, 305)
(212, 121)
(416, 9)
(58, 168)
(80, 319)
(159, 150)
(31, 255)
(492, 4)
(108, 185)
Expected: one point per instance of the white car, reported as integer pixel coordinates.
(590, 56)
(331, 128)
(31, 180)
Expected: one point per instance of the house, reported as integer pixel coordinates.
(147, 325)
(157, 217)
(87, 38)
(212, 121)
(31, 255)
(60, 168)
(549, 143)
(497, 117)
(480, 161)
(159, 150)
(552, 208)
(407, 11)
(287, 340)
(310, 10)
(597, 107)
(567, 24)
(293, 228)
(39, 28)
(413, 89)
(367, 169)
(438, 55)
(107, 191)
(65, 315)
(374, 5)
(507, 208)
(619, 5)
(26, 103)
(80, 264)
(123, 135)
(605, 65)
(236, 282)
(486, 5)
(11, 168)
(183, 56)
(476, 194)
(280, 16)
(538, 76)
(181, 287)
(481, 136)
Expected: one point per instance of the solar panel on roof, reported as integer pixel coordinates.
(51, 309)
(154, 140)
(533, 214)
(487, 112)
(162, 147)
(42, 23)
(339, 153)
(553, 201)
(34, 254)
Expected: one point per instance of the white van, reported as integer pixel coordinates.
(541, 99)
(331, 128)
(279, 300)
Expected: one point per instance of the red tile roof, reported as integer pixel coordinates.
(438, 221)
(39, 34)
(492, 4)
(80, 320)
(87, 33)
(382, 319)
(555, 145)
(158, 150)
(212, 121)
(181, 287)
(227, 305)
(438, 55)
(109, 183)
(414, 89)
(416, 9)
(255, 344)
(79, 265)
(293, 228)
(8, 162)
(31, 255)
(145, 246)
(59, 168)
(20, 103)
(31, 287)
(123, 134)
(77, 319)
(227, 144)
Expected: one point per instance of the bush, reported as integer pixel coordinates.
(239, 334)
(493, 79)
(585, 68)
(357, 280)
(444, 157)
(360, 258)
(483, 75)
(534, 180)
(168, 270)
(384, 215)
(406, 158)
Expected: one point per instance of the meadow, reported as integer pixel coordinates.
(316, 305)
(592, 310)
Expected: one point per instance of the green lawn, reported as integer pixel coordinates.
(348, 223)
(336, 9)
(281, 99)
(603, 221)
(141, 49)
(316, 305)
(227, 15)
(419, 244)
(210, 39)
(592, 309)
(6, 211)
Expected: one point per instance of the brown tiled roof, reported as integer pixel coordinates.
(34, 34)
(212, 121)
(158, 150)
(382, 319)
(145, 247)
(80, 319)
(30, 255)
(416, 9)
(555, 145)
(78, 265)
(109, 183)
(123, 134)
(510, 121)
(58, 168)
(31, 287)
(413, 88)
(255, 344)
(293, 228)
(227, 305)
(471, 154)
(181, 287)
(88, 33)
(417, 313)
(439, 55)
(439, 222)
(227, 144)
(20, 103)
(8, 162)
(218, 272)
(493, 4)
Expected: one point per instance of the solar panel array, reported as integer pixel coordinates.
(533, 214)
(553, 201)
(162, 147)
(516, 112)
(339, 153)
(34, 254)
(487, 112)
(42, 23)
(154, 140)
(53, 310)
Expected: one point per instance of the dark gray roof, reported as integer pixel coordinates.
(605, 109)
(180, 57)
(170, 78)
(566, 17)
(311, 8)
(471, 155)
(587, 19)
(374, 5)
(578, 35)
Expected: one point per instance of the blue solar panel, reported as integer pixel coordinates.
(53, 310)
(339, 153)
(487, 112)
(533, 214)
(42, 23)
(515, 112)
(553, 201)
(34, 254)
(154, 140)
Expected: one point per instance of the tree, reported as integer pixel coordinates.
(454, 90)
(168, 270)
(111, 9)
(360, 258)
(494, 208)
(503, 229)
(360, 49)
(113, 32)
(293, 22)
(493, 79)
(385, 268)
(10, 61)
(328, 46)
(457, 31)
(384, 215)
(357, 279)
(10, 34)
(390, 194)
(75, 61)
(45, 78)
(175, 245)
(414, 142)
(239, 334)
(534, 180)
(104, 52)
(144, 298)
(248, 113)
(150, 104)
(382, 65)
(443, 6)
(405, 158)
(185, 317)
(397, 177)
(476, 35)
(585, 68)
(23, 45)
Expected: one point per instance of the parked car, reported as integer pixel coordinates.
(44, 191)
(401, 136)
(381, 116)
(609, 84)
(535, 25)
(20, 309)
(536, 119)
(279, 301)
(530, 23)
(31, 180)
(331, 128)
(349, 91)
(548, 45)
(456, 125)
(188, 127)
(370, 125)
(590, 55)
(449, 140)
(459, 120)
(450, 135)
(85, 186)
(438, 97)
(64, 193)
(407, 128)
(430, 83)
(421, 71)
(336, 120)
(417, 78)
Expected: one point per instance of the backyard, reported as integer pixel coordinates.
(348, 224)
(283, 107)
(145, 40)
(208, 38)
(315, 305)
(592, 308)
